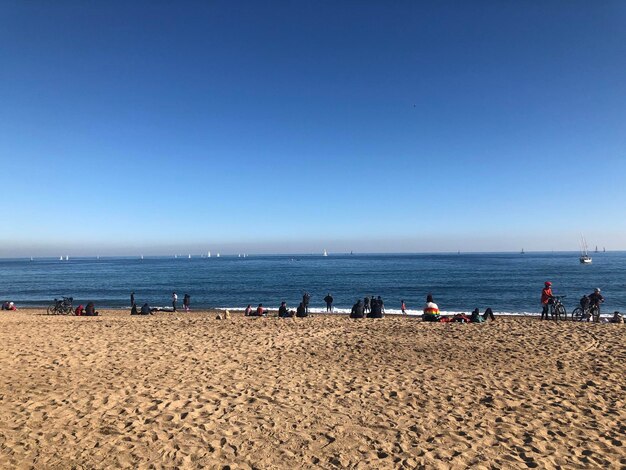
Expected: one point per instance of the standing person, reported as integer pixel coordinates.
(306, 297)
(174, 300)
(381, 303)
(366, 305)
(186, 302)
(546, 299)
(329, 303)
(595, 300)
(431, 310)
(403, 307)
(132, 299)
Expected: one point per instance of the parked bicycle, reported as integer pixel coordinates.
(557, 309)
(61, 307)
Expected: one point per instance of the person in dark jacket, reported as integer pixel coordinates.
(376, 309)
(306, 297)
(132, 299)
(283, 312)
(90, 310)
(329, 303)
(186, 302)
(133, 310)
(146, 310)
(366, 304)
(301, 311)
(357, 310)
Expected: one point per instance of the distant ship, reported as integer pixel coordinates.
(351, 253)
(522, 252)
(325, 253)
(597, 249)
(584, 256)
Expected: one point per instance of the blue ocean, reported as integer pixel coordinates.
(507, 282)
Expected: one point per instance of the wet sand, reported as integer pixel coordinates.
(189, 391)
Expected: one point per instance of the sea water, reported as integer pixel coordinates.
(507, 282)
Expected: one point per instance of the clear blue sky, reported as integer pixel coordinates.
(161, 127)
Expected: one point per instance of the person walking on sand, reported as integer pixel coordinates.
(546, 299)
(403, 307)
(132, 299)
(329, 303)
(174, 300)
(186, 302)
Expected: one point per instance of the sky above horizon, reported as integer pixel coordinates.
(290, 127)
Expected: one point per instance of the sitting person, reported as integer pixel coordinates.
(260, 311)
(431, 310)
(376, 308)
(358, 310)
(283, 312)
(133, 309)
(301, 311)
(248, 311)
(617, 318)
(90, 310)
(8, 306)
(80, 311)
(145, 309)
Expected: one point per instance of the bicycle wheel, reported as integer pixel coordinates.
(52, 309)
(595, 314)
(577, 314)
(560, 313)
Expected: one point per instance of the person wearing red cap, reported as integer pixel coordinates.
(546, 299)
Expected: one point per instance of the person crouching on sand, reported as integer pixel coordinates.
(431, 310)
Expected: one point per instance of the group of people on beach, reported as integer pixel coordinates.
(588, 303)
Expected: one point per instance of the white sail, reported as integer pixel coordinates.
(67, 258)
(208, 255)
(218, 255)
(61, 258)
(325, 253)
(189, 257)
(584, 255)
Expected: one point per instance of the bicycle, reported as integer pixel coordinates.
(581, 314)
(61, 307)
(557, 309)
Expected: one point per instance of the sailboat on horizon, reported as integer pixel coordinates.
(584, 255)
(522, 252)
(325, 253)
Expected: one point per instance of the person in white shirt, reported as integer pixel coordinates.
(174, 300)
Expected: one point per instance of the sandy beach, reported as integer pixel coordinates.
(189, 391)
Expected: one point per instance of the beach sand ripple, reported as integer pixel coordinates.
(189, 391)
